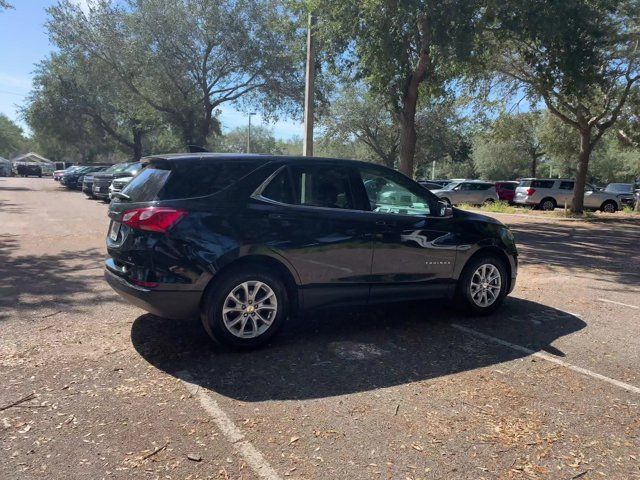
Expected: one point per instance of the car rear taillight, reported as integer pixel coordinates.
(153, 219)
(531, 191)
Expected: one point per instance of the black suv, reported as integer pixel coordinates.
(244, 241)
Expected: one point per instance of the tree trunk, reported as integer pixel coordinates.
(137, 144)
(407, 120)
(534, 165)
(577, 205)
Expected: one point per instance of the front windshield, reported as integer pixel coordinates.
(619, 188)
(118, 167)
(133, 168)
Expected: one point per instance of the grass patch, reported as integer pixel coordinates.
(494, 207)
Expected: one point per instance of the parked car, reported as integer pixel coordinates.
(73, 179)
(102, 181)
(475, 192)
(57, 174)
(626, 192)
(549, 193)
(506, 190)
(430, 185)
(29, 170)
(243, 241)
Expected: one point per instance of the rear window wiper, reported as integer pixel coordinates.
(121, 195)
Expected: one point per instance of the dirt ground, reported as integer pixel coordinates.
(547, 387)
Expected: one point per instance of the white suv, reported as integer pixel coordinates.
(474, 192)
(549, 193)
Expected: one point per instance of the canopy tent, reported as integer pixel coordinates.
(30, 158)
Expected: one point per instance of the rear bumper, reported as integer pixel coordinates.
(172, 304)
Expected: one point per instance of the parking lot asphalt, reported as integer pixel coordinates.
(547, 387)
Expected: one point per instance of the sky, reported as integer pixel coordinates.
(24, 42)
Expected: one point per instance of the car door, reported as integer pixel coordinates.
(413, 253)
(564, 193)
(312, 219)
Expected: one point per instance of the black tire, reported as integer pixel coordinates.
(609, 207)
(548, 204)
(445, 200)
(464, 293)
(215, 297)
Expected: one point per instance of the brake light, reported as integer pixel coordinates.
(153, 219)
(531, 191)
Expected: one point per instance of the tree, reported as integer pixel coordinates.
(510, 147)
(74, 97)
(400, 49)
(12, 140)
(580, 58)
(442, 137)
(4, 5)
(187, 58)
(360, 115)
(262, 141)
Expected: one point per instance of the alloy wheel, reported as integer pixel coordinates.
(249, 309)
(486, 283)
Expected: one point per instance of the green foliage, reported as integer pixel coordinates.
(510, 147)
(580, 58)
(12, 140)
(4, 5)
(400, 49)
(262, 141)
(360, 116)
(443, 137)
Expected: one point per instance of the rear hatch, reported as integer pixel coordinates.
(159, 213)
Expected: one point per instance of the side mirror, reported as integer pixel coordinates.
(443, 210)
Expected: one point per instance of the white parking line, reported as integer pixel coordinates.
(618, 303)
(549, 358)
(231, 432)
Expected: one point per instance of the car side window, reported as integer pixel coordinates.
(464, 186)
(318, 186)
(566, 185)
(280, 188)
(389, 193)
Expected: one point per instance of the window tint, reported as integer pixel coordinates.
(542, 183)
(322, 187)
(465, 186)
(145, 186)
(566, 185)
(393, 193)
(480, 186)
(508, 186)
(280, 188)
(195, 179)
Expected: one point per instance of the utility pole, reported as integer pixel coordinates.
(307, 142)
(249, 133)
(433, 170)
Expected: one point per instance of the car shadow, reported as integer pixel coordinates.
(338, 353)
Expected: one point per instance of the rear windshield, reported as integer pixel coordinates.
(537, 183)
(186, 181)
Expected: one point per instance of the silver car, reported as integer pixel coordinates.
(549, 193)
(475, 192)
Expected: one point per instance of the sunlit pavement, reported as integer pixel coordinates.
(545, 388)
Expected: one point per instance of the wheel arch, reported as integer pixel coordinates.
(488, 250)
(555, 202)
(606, 202)
(263, 261)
